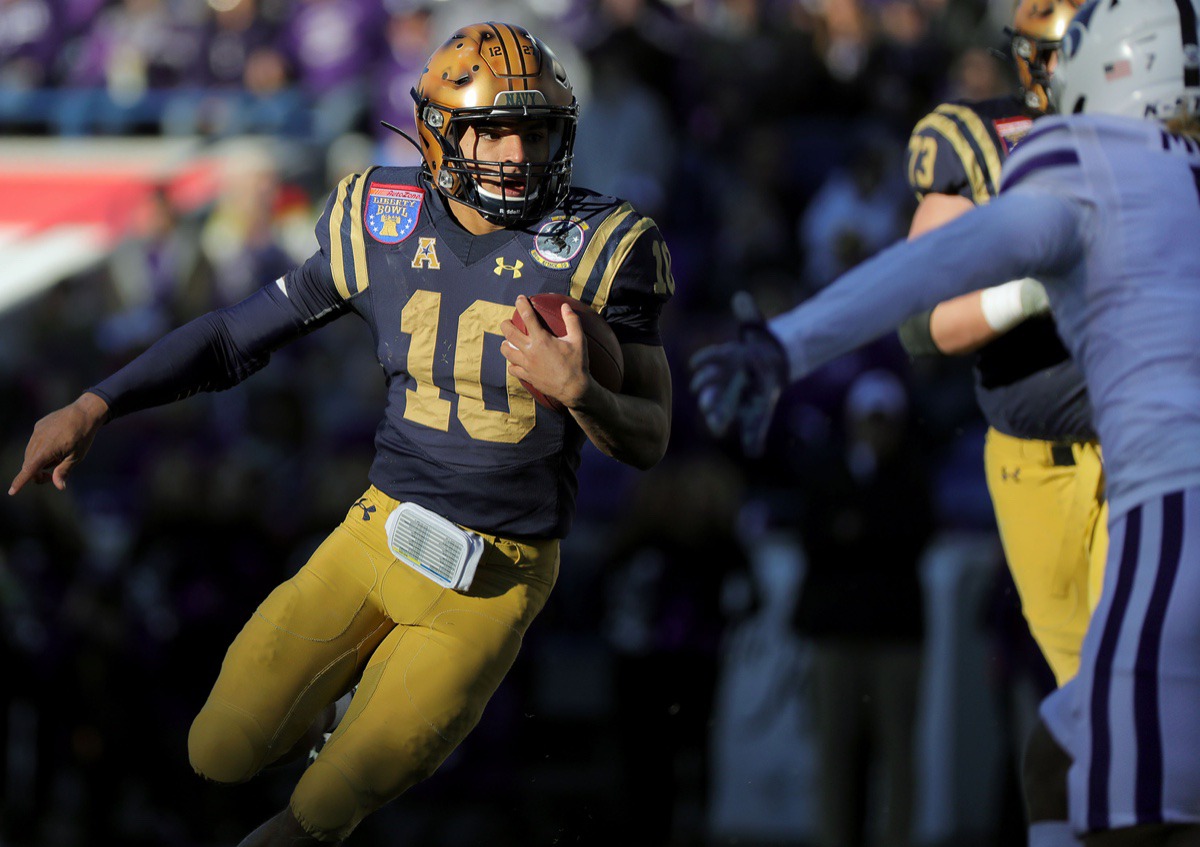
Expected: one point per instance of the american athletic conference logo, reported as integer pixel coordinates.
(392, 211)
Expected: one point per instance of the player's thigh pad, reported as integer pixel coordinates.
(426, 685)
(1049, 519)
(1130, 719)
(300, 650)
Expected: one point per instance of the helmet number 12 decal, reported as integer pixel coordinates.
(424, 405)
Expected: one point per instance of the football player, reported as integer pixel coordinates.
(1041, 454)
(1103, 206)
(432, 259)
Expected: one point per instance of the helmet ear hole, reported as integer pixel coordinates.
(1079, 106)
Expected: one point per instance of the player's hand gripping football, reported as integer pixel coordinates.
(59, 442)
(740, 381)
(557, 367)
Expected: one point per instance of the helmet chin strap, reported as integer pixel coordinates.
(505, 198)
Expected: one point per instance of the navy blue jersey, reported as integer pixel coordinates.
(460, 435)
(1026, 384)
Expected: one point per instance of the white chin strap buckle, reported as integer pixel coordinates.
(434, 547)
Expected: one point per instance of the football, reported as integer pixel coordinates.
(605, 361)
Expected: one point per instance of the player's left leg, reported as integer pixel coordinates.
(426, 684)
(300, 651)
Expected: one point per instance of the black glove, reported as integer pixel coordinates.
(741, 380)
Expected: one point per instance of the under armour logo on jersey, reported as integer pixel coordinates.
(1005, 475)
(514, 269)
(367, 510)
(426, 255)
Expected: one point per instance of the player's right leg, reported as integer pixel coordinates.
(1129, 719)
(300, 651)
(1049, 507)
(1051, 513)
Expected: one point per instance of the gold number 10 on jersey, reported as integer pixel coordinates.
(425, 405)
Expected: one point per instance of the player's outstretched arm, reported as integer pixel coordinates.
(962, 325)
(1006, 239)
(211, 353)
(741, 381)
(60, 441)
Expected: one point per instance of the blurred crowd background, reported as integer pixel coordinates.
(676, 689)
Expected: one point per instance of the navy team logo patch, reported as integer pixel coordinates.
(558, 242)
(391, 212)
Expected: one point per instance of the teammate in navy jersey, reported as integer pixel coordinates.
(1103, 206)
(433, 260)
(1041, 454)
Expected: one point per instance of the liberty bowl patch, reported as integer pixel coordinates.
(558, 242)
(391, 212)
(1012, 130)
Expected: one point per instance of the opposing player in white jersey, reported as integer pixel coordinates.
(1103, 205)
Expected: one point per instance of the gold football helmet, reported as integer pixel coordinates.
(1037, 30)
(497, 72)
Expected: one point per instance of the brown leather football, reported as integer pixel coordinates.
(605, 361)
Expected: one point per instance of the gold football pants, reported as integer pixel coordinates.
(1052, 517)
(429, 658)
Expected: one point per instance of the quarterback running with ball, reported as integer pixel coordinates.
(432, 260)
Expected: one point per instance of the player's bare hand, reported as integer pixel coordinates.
(59, 442)
(556, 366)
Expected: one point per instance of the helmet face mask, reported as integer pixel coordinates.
(1037, 31)
(500, 78)
(506, 192)
(1139, 60)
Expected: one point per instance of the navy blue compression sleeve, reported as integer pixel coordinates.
(214, 352)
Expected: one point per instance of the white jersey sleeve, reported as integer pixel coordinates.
(1106, 212)
(1025, 234)
(1129, 312)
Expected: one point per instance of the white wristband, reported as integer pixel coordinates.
(1002, 306)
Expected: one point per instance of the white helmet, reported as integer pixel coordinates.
(1139, 59)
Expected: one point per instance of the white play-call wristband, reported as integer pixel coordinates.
(1002, 307)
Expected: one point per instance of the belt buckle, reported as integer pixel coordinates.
(1062, 455)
